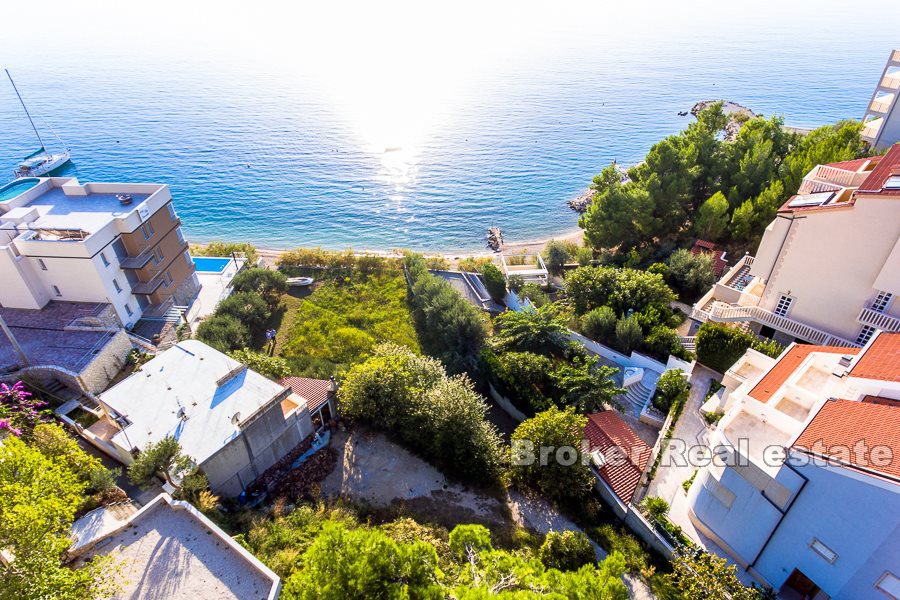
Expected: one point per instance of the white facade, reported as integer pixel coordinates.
(774, 516)
(827, 270)
(881, 123)
(58, 241)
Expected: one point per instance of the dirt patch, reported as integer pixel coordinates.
(375, 471)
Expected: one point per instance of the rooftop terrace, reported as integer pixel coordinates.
(56, 210)
(168, 550)
(43, 336)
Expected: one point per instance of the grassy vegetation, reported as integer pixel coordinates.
(339, 323)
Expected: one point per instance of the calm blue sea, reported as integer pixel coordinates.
(253, 154)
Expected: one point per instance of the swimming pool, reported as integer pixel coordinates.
(209, 264)
(14, 188)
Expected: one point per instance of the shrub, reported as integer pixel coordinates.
(720, 346)
(515, 282)
(449, 328)
(629, 334)
(224, 333)
(620, 289)
(654, 507)
(542, 330)
(494, 281)
(584, 256)
(226, 249)
(272, 367)
(556, 255)
(691, 274)
(469, 538)
(438, 416)
(557, 428)
(599, 324)
(617, 539)
(270, 285)
(686, 484)
(535, 293)
(671, 385)
(246, 307)
(663, 341)
(567, 551)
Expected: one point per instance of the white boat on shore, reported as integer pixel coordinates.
(300, 281)
(41, 162)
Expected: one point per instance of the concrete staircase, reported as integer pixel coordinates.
(635, 397)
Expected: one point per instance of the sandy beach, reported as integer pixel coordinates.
(576, 236)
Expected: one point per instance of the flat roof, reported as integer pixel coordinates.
(193, 393)
(44, 339)
(169, 550)
(787, 363)
(90, 213)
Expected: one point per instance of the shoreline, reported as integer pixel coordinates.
(576, 236)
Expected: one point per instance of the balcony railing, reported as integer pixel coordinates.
(721, 312)
(891, 81)
(881, 107)
(878, 320)
(148, 287)
(871, 131)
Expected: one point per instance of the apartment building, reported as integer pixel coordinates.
(881, 123)
(805, 491)
(827, 270)
(112, 243)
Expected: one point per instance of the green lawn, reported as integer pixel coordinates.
(338, 324)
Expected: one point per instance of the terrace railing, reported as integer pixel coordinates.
(878, 320)
(721, 312)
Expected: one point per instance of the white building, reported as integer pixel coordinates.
(169, 549)
(827, 270)
(232, 421)
(805, 492)
(881, 123)
(112, 243)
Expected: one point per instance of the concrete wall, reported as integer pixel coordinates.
(855, 515)
(505, 404)
(263, 441)
(21, 287)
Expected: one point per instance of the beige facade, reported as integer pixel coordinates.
(828, 268)
(98, 242)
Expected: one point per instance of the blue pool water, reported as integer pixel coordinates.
(255, 147)
(14, 188)
(206, 264)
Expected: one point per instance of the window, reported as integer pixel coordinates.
(881, 301)
(865, 334)
(56, 291)
(823, 550)
(169, 277)
(117, 286)
(180, 236)
(104, 259)
(889, 584)
(187, 258)
(41, 263)
(128, 310)
(147, 230)
(784, 305)
(159, 253)
(171, 208)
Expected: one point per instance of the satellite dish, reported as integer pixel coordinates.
(236, 418)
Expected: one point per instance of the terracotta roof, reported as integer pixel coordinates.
(790, 360)
(841, 424)
(626, 454)
(719, 262)
(314, 391)
(889, 165)
(881, 359)
(853, 165)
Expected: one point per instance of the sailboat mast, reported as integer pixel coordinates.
(26, 112)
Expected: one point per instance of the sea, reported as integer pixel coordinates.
(290, 132)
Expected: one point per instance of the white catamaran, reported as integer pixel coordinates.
(40, 162)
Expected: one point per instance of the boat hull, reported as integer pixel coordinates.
(52, 163)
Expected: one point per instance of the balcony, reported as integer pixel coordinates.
(871, 128)
(721, 312)
(878, 320)
(148, 287)
(137, 262)
(891, 81)
(882, 106)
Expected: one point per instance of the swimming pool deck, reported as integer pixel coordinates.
(214, 287)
